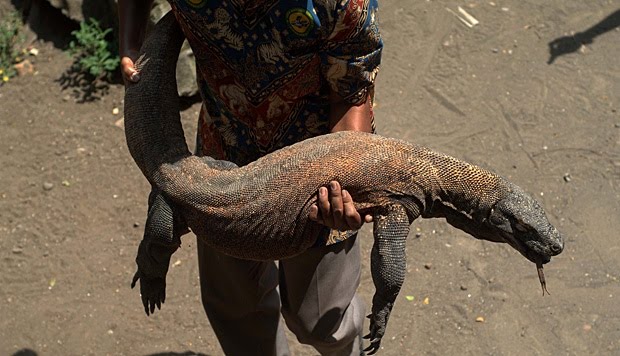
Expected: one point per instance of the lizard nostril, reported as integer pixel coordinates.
(556, 248)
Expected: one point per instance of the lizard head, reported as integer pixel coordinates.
(516, 219)
(520, 221)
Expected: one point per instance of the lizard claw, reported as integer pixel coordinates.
(152, 292)
(378, 321)
(373, 348)
(135, 278)
(375, 342)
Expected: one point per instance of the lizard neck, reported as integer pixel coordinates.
(456, 189)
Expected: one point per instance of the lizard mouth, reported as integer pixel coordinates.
(527, 251)
(536, 257)
(531, 253)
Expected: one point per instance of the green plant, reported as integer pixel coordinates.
(93, 53)
(10, 39)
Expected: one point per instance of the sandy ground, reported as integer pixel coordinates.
(72, 203)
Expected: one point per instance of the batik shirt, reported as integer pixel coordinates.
(266, 68)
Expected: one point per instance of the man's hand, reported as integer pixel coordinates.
(335, 209)
(128, 69)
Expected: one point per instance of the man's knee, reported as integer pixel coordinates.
(335, 330)
(308, 332)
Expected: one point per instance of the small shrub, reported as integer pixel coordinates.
(10, 40)
(93, 53)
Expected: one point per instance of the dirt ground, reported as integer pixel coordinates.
(72, 203)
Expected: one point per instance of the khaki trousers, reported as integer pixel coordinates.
(315, 292)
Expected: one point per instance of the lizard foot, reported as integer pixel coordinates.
(152, 291)
(378, 321)
(162, 237)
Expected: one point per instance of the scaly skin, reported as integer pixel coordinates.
(260, 211)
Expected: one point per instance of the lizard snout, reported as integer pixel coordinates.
(555, 242)
(557, 247)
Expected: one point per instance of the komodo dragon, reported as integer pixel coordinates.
(260, 211)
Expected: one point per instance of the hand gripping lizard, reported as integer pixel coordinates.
(260, 211)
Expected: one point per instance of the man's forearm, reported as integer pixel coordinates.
(133, 17)
(348, 117)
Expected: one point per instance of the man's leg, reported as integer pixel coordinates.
(319, 302)
(242, 303)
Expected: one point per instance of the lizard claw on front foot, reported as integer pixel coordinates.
(152, 291)
(375, 341)
(378, 322)
(374, 345)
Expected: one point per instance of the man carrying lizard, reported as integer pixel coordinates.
(272, 73)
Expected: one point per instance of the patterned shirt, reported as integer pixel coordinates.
(266, 68)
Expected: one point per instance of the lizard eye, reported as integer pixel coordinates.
(495, 219)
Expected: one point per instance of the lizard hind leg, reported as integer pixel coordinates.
(388, 266)
(162, 236)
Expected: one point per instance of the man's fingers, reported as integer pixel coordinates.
(130, 74)
(313, 214)
(335, 201)
(351, 216)
(335, 209)
(325, 207)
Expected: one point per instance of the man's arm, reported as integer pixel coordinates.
(350, 60)
(133, 17)
(335, 204)
(349, 117)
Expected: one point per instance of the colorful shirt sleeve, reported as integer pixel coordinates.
(351, 58)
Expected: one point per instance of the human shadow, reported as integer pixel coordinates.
(25, 352)
(186, 353)
(29, 352)
(569, 44)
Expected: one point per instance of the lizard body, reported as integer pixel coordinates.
(260, 211)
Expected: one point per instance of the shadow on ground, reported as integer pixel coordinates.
(570, 44)
(186, 353)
